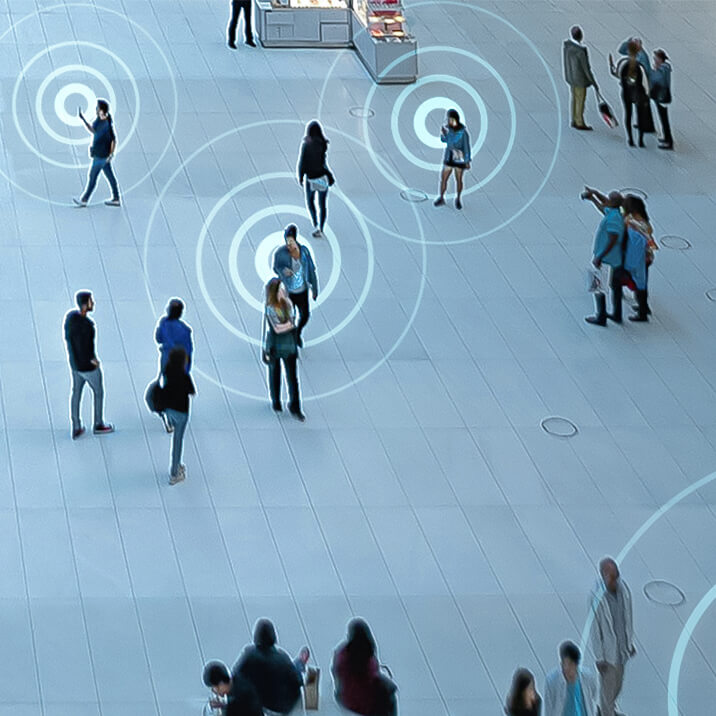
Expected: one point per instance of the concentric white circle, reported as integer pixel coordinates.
(409, 184)
(67, 91)
(432, 139)
(482, 110)
(420, 124)
(139, 32)
(233, 253)
(266, 248)
(63, 70)
(401, 330)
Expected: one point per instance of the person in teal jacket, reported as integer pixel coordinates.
(457, 156)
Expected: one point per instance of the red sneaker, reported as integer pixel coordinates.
(103, 429)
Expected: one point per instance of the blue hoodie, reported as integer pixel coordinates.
(458, 140)
(170, 334)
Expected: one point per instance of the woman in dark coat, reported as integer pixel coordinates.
(314, 174)
(635, 93)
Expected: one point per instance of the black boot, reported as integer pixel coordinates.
(616, 314)
(642, 315)
(600, 303)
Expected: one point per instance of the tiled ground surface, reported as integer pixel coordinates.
(421, 493)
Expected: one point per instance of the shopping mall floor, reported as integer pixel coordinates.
(426, 491)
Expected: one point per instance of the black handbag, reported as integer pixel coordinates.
(154, 397)
(267, 348)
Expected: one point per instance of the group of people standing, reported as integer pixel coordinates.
(266, 679)
(571, 690)
(639, 80)
(622, 253)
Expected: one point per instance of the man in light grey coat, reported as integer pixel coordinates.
(577, 74)
(568, 690)
(612, 633)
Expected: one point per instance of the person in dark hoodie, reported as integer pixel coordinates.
(313, 172)
(234, 695)
(84, 364)
(178, 386)
(457, 156)
(270, 670)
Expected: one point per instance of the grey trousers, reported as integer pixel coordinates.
(610, 686)
(94, 379)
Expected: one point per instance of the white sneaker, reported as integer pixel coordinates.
(79, 203)
(112, 202)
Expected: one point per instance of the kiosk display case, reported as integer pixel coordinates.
(381, 37)
(303, 23)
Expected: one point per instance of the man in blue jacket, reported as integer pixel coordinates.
(172, 332)
(294, 266)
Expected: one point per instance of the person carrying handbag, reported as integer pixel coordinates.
(280, 345)
(314, 174)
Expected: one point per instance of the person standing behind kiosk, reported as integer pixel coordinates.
(237, 6)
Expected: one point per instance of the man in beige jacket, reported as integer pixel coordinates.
(612, 633)
(577, 74)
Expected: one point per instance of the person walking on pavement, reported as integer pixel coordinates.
(102, 149)
(178, 386)
(577, 74)
(279, 345)
(294, 266)
(237, 7)
(314, 171)
(569, 690)
(612, 633)
(84, 364)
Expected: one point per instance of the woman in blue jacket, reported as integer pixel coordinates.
(660, 78)
(457, 155)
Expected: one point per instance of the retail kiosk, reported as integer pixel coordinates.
(377, 31)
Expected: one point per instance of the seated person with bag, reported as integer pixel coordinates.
(276, 678)
(361, 687)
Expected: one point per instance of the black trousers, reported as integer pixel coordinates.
(628, 111)
(663, 111)
(236, 7)
(300, 300)
(291, 366)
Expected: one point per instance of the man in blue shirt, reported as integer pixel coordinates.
(294, 266)
(607, 250)
(570, 691)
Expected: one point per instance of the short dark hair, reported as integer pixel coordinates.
(576, 33)
(661, 55)
(215, 673)
(569, 650)
(290, 230)
(103, 104)
(83, 298)
(175, 308)
(264, 634)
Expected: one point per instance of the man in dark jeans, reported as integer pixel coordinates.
(236, 7)
(79, 336)
(294, 266)
(607, 250)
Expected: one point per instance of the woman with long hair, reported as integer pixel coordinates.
(360, 686)
(634, 82)
(313, 172)
(104, 144)
(280, 345)
(178, 386)
(456, 157)
(638, 252)
(523, 699)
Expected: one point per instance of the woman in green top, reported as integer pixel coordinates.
(280, 345)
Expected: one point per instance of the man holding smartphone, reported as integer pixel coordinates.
(104, 143)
